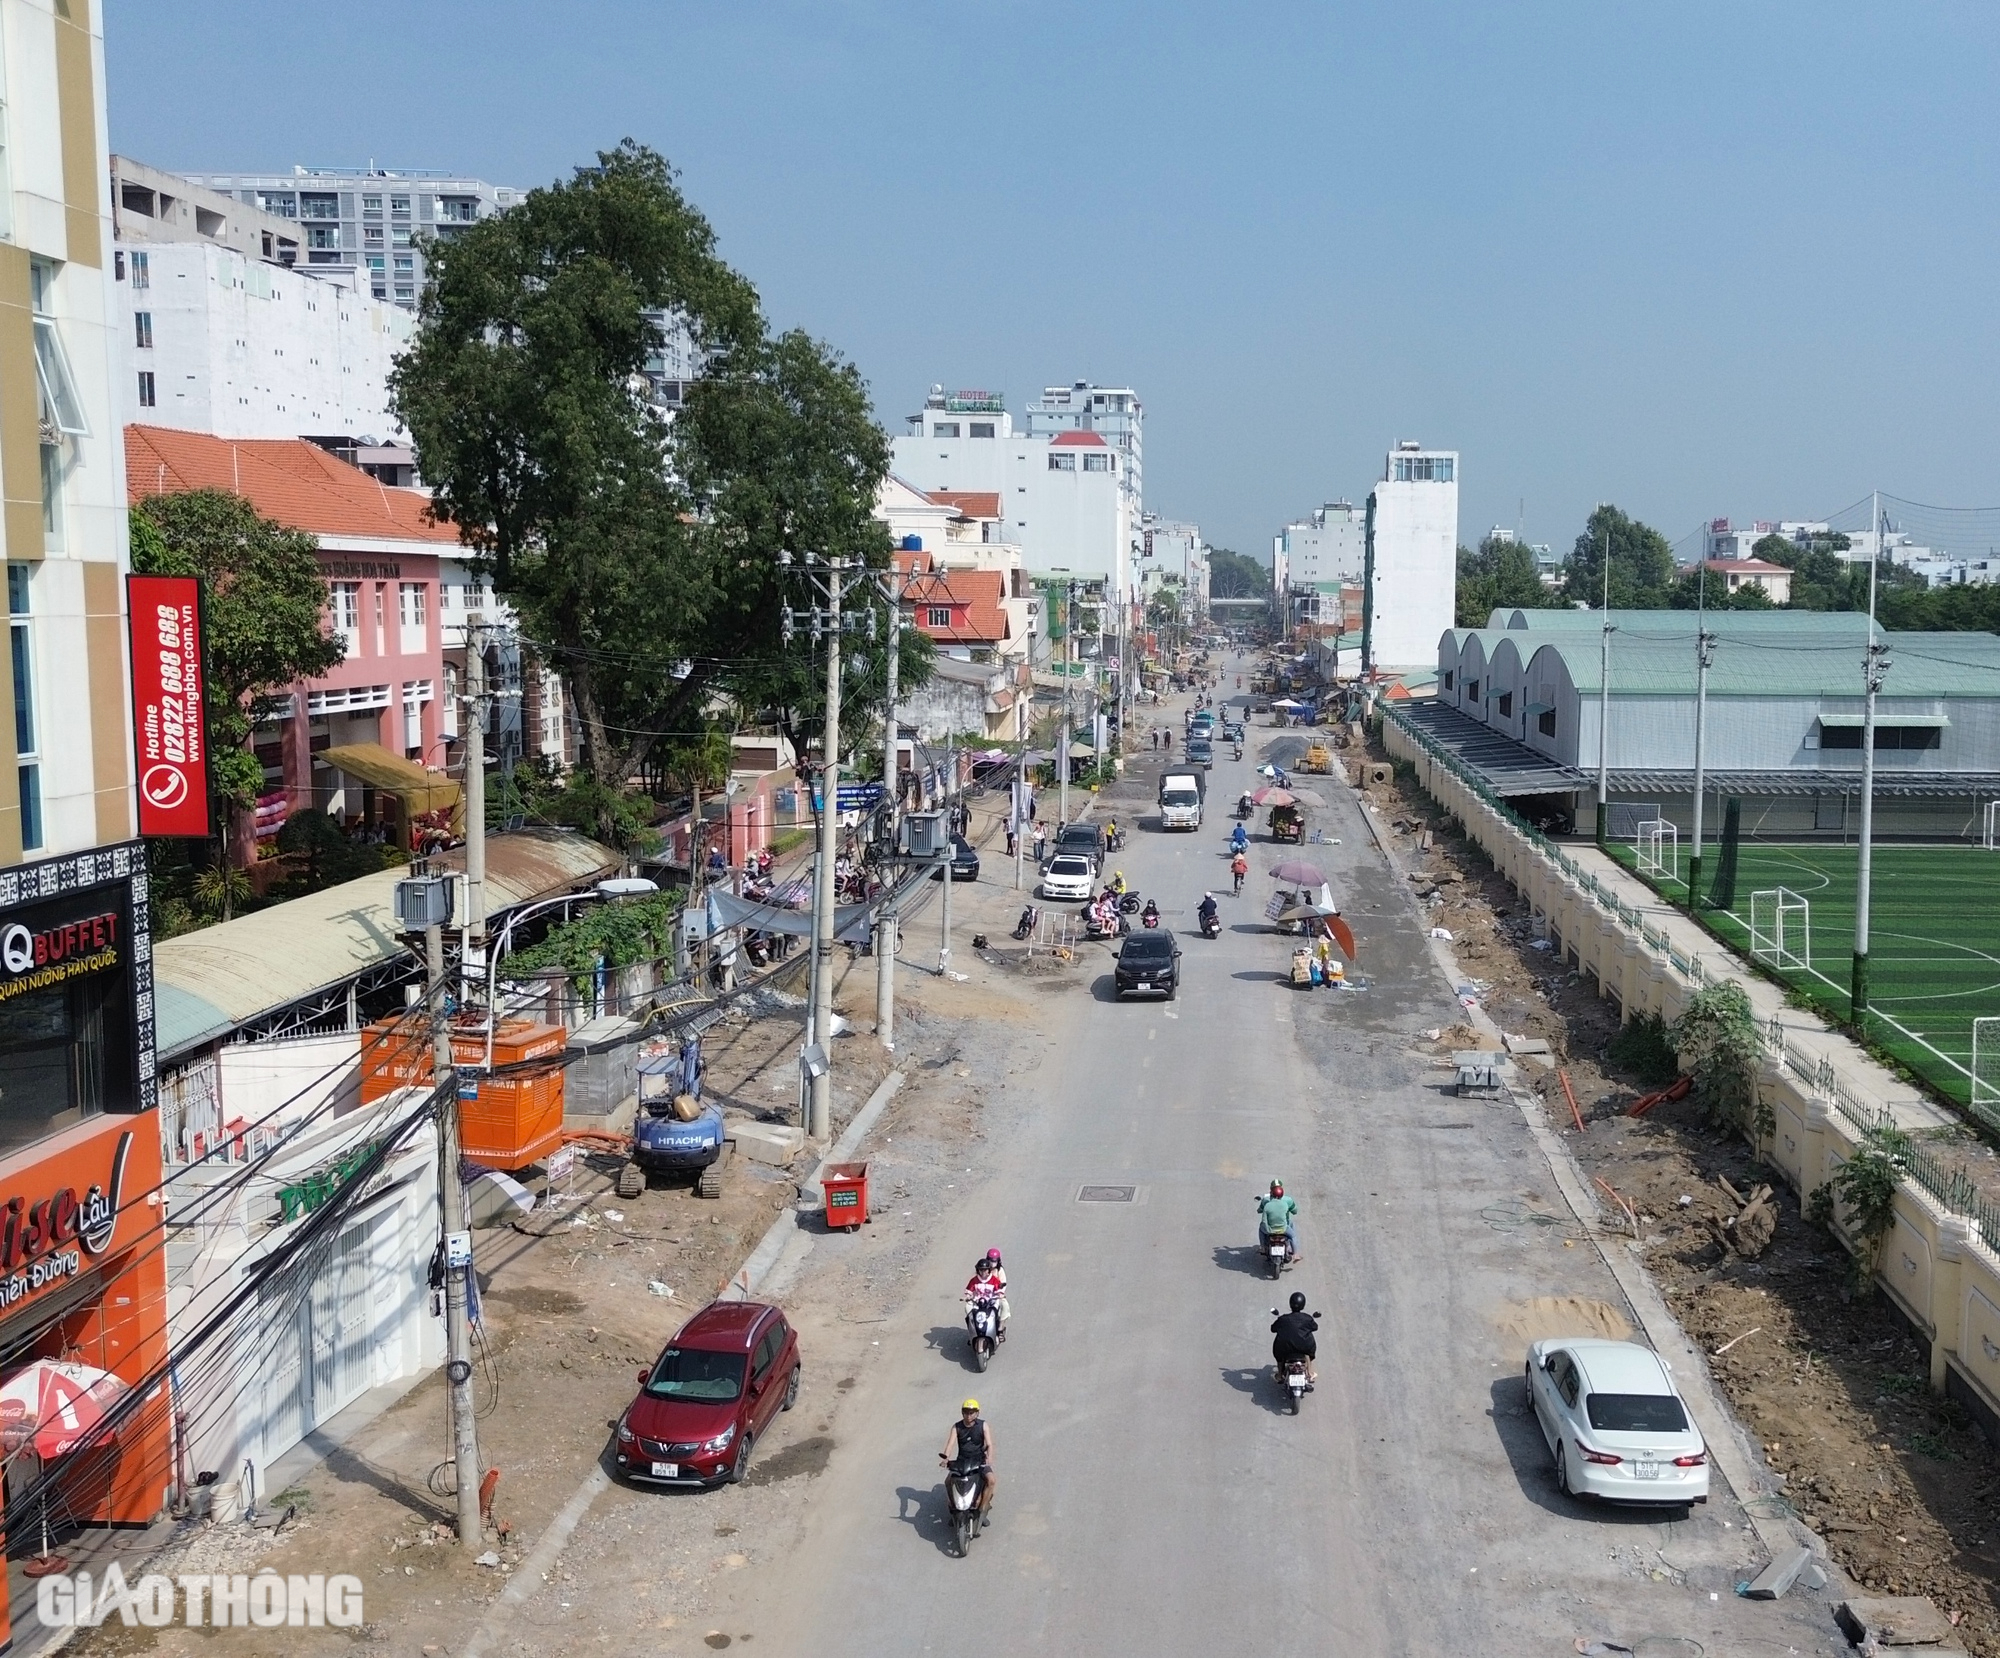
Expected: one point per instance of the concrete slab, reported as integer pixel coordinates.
(773, 1143)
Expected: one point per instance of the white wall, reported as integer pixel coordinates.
(242, 349)
(1416, 567)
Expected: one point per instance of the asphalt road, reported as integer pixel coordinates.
(1154, 1497)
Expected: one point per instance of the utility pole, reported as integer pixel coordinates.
(886, 919)
(458, 1238)
(1604, 699)
(1704, 654)
(821, 1123)
(472, 956)
(1874, 669)
(1062, 756)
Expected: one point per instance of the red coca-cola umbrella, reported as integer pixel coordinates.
(53, 1404)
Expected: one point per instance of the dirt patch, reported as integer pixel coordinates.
(538, 1299)
(1521, 1322)
(806, 1457)
(1833, 1387)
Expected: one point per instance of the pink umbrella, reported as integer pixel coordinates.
(53, 1404)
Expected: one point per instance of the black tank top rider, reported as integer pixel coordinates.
(971, 1443)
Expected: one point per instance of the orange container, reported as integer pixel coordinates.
(509, 1121)
(846, 1186)
(512, 1121)
(395, 1053)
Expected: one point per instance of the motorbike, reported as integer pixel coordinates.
(982, 1327)
(964, 1485)
(1239, 750)
(1211, 924)
(1114, 840)
(1295, 1377)
(1151, 916)
(1128, 903)
(1276, 1248)
(1246, 808)
(1026, 924)
(1096, 926)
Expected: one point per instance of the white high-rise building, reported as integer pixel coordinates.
(1113, 412)
(1413, 563)
(1328, 546)
(1061, 496)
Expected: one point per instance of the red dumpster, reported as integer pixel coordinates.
(846, 1186)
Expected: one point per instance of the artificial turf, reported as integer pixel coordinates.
(1934, 949)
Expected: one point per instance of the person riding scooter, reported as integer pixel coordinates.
(1239, 840)
(1239, 867)
(989, 1283)
(1293, 1337)
(1277, 1217)
(1150, 915)
(1208, 917)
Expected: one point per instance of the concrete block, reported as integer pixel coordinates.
(1779, 1576)
(773, 1143)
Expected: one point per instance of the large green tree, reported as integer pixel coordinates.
(264, 600)
(1642, 563)
(1232, 575)
(1501, 572)
(640, 552)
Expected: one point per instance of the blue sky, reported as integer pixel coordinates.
(1696, 259)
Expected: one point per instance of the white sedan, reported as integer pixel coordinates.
(1615, 1421)
(1069, 875)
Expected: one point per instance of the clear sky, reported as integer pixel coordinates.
(1697, 259)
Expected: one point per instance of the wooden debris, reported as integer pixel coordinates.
(1749, 1226)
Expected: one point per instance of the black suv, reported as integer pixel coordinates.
(1150, 961)
(1085, 839)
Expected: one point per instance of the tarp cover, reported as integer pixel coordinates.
(424, 791)
(850, 921)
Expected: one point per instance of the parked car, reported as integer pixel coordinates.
(1615, 1422)
(714, 1388)
(1069, 875)
(1149, 961)
(1084, 838)
(964, 861)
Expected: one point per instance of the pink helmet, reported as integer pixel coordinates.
(993, 1255)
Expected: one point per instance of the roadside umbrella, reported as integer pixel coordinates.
(1287, 702)
(1272, 795)
(1318, 912)
(1296, 872)
(52, 1404)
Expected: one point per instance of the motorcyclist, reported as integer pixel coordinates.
(989, 1283)
(1239, 839)
(1278, 1216)
(1206, 914)
(969, 1444)
(1150, 915)
(1293, 1336)
(1239, 867)
(1118, 883)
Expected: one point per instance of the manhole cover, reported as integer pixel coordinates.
(1106, 1194)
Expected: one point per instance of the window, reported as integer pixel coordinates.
(1447, 679)
(142, 330)
(406, 296)
(1635, 1413)
(413, 611)
(145, 388)
(355, 699)
(937, 616)
(381, 606)
(372, 206)
(1422, 469)
(378, 262)
(1472, 690)
(1062, 463)
(399, 236)
(62, 408)
(142, 270)
(344, 606)
(448, 714)
(1097, 463)
(416, 693)
(944, 429)
(1547, 724)
(1506, 705)
(399, 206)
(314, 205)
(323, 236)
(21, 647)
(371, 236)
(980, 429)
(286, 206)
(406, 262)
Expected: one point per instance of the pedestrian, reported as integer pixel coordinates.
(1013, 837)
(1041, 839)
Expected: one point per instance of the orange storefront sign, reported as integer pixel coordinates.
(83, 1267)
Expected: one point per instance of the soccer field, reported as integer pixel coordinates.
(1933, 959)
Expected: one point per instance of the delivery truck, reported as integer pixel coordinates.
(1182, 794)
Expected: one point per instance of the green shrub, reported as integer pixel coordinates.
(1716, 1039)
(1642, 1051)
(1866, 1183)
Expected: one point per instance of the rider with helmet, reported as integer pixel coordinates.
(969, 1444)
(1293, 1337)
(989, 1282)
(1205, 912)
(1278, 1216)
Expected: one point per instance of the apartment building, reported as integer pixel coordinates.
(77, 1062)
(1412, 526)
(1114, 413)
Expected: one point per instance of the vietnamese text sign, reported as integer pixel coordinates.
(168, 704)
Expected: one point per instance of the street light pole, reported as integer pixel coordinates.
(458, 1237)
(1062, 758)
(1604, 699)
(1874, 670)
(885, 918)
(1704, 654)
(823, 888)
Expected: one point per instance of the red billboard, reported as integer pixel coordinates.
(169, 736)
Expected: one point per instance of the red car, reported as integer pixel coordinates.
(711, 1392)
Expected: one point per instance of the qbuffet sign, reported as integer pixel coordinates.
(168, 702)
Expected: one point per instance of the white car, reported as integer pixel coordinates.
(1615, 1422)
(1069, 875)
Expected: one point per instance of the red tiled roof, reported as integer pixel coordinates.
(292, 482)
(969, 503)
(1748, 566)
(974, 593)
(1078, 440)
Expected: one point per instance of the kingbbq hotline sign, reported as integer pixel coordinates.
(168, 704)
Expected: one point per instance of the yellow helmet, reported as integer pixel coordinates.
(970, 1404)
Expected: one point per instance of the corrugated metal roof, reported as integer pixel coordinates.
(210, 982)
(1509, 768)
(1921, 665)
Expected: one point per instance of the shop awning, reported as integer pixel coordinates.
(371, 763)
(1915, 722)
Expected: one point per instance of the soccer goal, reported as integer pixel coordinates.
(1659, 847)
(1990, 836)
(1986, 1069)
(1781, 928)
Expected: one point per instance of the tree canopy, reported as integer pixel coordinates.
(1642, 564)
(263, 602)
(1233, 575)
(640, 551)
(1501, 572)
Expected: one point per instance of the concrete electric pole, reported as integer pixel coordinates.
(886, 921)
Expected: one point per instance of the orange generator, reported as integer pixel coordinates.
(505, 1121)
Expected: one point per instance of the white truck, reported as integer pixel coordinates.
(1181, 797)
